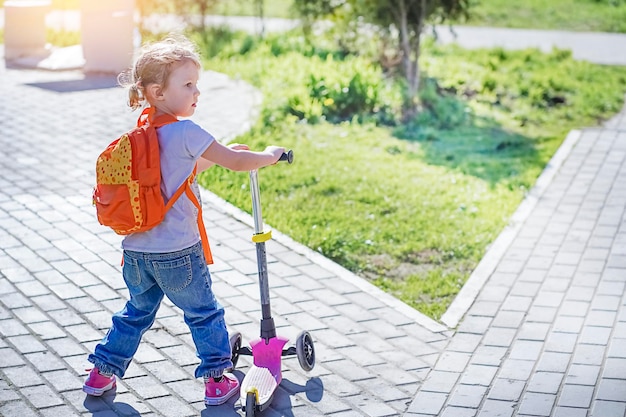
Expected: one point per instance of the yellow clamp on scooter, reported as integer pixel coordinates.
(262, 237)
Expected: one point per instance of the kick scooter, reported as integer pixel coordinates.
(258, 386)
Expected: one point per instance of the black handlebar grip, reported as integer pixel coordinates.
(287, 156)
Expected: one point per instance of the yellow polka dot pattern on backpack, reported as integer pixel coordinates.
(115, 167)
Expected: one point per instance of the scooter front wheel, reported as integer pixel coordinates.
(250, 404)
(305, 351)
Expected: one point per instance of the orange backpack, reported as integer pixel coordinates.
(127, 194)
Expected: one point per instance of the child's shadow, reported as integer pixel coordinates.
(97, 405)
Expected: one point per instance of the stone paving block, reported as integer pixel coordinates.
(496, 408)
(506, 389)
(574, 308)
(147, 354)
(485, 308)
(549, 299)
(67, 290)
(43, 361)
(11, 327)
(63, 380)
(48, 302)
(545, 383)
(22, 376)
(84, 333)
(41, 396)
(464, 342)
(166, 371)
(31, 288)
(453, 362)
(458, 412)
(595, 335)
(314, 307)
(367, 301)
(399, 377)
(541, 314)
(536, 404)
(190, 390)
(526, 350)
(478, 375)
(583, 374)
(553, 362)
(601, 318)
(474, 324)
(611, 390)
(85, 305)
(427, 403)
(61, 411)
(614, 368)
(606, 302)
(568, 324)
(371, 407)
(534, 331)
(619, 330)
(578, 396)
(26, 344)
(589, 354)
(561, 342)
(508, 319)
(65, 346)
(171, 406)
(468, 396)
(440, 381)
(16, 408)
(503, 279)
(608, 409)
(587, 281)
(516, 369)
(488, 355)
(146, 386)
(14, 300)
(350, 370)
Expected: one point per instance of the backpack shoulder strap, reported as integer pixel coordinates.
(147, 118)
(186, 188)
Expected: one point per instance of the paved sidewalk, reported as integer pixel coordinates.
(546, 334)
(540, 330)
(60, 277)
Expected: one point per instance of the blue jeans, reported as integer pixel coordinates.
(184, 278)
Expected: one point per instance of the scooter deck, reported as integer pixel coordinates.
(262, 383)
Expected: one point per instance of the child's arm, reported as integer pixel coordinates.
(206, 164)
(241, 159)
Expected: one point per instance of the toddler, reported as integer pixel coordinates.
(168, 260)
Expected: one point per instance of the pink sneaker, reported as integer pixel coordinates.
(217, 393)
(97, 384)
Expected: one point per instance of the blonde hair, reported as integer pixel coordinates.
(154, 65)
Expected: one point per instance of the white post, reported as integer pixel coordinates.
(107, 29)
(25, 28)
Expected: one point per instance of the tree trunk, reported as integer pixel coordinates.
(410, 46)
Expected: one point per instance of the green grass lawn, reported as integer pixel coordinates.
(576, 15)
(413, 208)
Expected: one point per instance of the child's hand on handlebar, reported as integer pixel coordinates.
(276, 151)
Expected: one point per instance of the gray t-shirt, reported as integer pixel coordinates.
(181, 144)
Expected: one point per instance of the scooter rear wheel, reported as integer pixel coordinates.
(250, 404)
(305, 351)
(235, 345)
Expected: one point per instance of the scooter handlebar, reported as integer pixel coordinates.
(287, 156)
